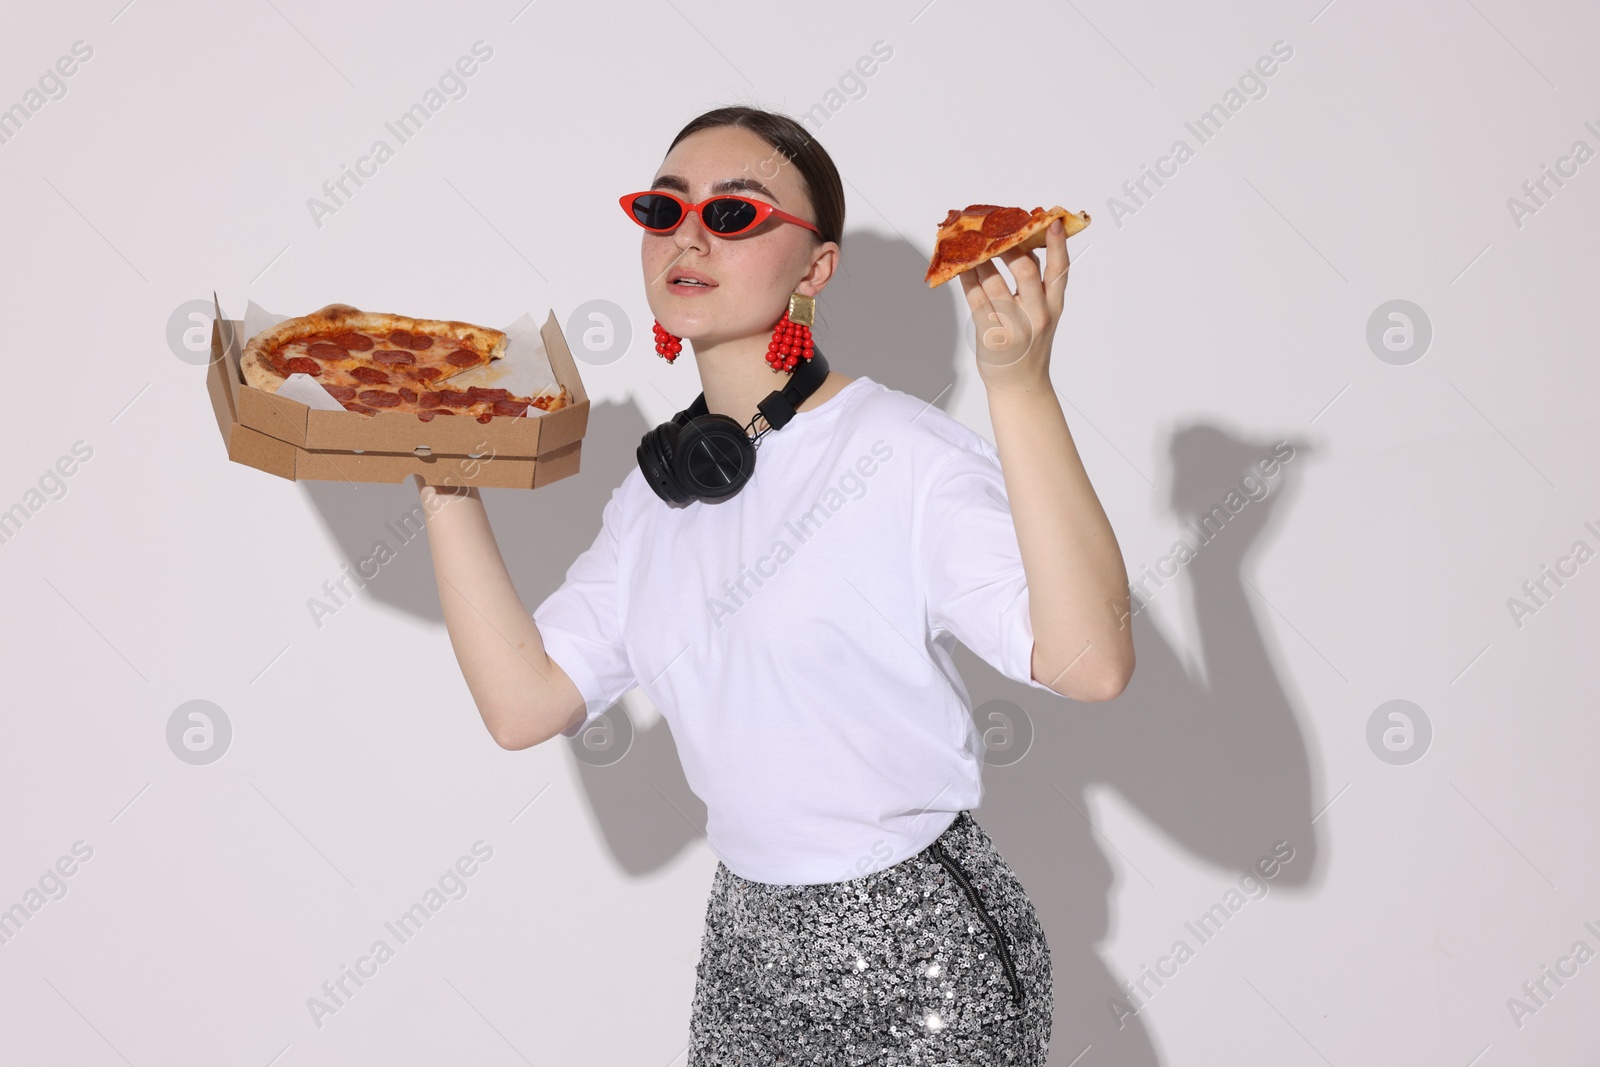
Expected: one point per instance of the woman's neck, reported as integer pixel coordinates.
(736, 377)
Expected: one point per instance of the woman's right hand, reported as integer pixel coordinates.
(428, 492)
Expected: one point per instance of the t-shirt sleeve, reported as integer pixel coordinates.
(581, 625)
(970, 564)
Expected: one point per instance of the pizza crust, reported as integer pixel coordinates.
(1029, 236)
(334, 317)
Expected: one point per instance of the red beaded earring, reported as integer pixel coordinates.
(667, 345)
(791, 337)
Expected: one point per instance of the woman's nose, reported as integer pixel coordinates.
(691, 232)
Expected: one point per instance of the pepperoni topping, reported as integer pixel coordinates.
(425, 374)
(462, 358)
(379, 398)
(370, 375)
(485, 417)
(510, 407)
(477, 393)
(980, 209)
(963, 246)
(302, 365)
(340, 393)
(351, 405)
(323, 350)
(353, 341)
(443, 411)
(275, 362)
(408, 395)
(407, 339)
(391, 356)
(428, 400)
(1004, 222)
(454, 398)
(426, 416)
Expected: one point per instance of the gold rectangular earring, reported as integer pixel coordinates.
(802, 309)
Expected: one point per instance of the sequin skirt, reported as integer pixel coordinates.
(937, 961)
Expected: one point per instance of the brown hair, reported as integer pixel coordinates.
(817, 172)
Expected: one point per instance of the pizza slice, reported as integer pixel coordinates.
(342, 345)
(475, 401)
(372, 361)
(983, 231)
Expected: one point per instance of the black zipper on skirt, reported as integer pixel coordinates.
(949, 863)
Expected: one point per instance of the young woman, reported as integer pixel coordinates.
(796, 632)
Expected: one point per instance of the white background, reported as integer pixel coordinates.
(1224, 314)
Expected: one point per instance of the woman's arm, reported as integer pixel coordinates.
(1077, 582)
(523, 695)
(1078, 598)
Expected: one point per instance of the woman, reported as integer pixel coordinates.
(797, 633)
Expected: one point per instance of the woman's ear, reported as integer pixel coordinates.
(824, 261)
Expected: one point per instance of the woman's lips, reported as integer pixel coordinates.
(687, 289)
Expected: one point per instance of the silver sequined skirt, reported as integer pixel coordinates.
(937, 961)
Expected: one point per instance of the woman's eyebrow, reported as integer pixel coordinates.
(726, 185)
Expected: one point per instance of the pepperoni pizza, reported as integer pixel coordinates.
(983, 231)
(372, 361)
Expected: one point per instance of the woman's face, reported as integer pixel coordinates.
(753, 273)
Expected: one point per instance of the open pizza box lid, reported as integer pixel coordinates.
(293, 440)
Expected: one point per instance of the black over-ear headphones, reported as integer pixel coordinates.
(706, 457)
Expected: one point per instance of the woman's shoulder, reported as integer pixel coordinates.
(918, 424)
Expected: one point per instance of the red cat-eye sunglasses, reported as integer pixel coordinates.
(725, 215)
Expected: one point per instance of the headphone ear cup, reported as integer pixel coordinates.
(655, 455)
(713, 457)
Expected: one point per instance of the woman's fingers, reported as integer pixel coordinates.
(1057, 263)
(1003, 328)
(1024, 267)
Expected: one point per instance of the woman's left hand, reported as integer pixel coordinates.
(1016, 329)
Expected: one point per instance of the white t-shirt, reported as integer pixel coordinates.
(797, 635)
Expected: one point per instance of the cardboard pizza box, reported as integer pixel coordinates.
(287, 438)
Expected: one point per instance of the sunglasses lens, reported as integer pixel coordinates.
(656, 212)
(727, 215)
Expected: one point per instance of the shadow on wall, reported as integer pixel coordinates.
(1218, 762)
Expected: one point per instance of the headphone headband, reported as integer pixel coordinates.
(781, 404)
